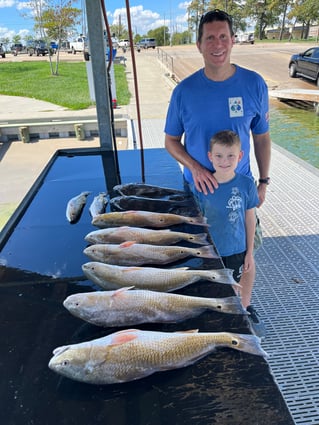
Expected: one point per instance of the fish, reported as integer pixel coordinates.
(147, 190)
(126, 307)
(133, 254)
(134, 354)
(124, 203)
(143, 235)
(109, 276)
(75, 207)
(98, 204)
(144, 219)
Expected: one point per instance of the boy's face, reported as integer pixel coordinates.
(225, 158)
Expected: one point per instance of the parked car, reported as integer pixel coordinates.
(16, 48)
(245, 38)
(54, 46)
(305, 64)
(146, 43)
(124, 43)
(37, 47)
(2, 51)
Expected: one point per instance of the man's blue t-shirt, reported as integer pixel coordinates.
(225, 210)
(200, 107)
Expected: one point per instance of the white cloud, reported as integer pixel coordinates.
(184, 5)
(7, 3)
(143, 20)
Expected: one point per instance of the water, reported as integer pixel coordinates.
(297, 131)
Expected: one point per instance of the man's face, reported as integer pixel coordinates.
(216, 43)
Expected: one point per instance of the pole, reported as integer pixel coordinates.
(100, 80)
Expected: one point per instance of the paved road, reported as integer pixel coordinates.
(270, 60)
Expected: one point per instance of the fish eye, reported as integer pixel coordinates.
(219, 307)
(65, 363)
(234, 342)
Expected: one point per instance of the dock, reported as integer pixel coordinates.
(302, 98)
(287, 282)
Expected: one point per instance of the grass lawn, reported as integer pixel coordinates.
(69, 89)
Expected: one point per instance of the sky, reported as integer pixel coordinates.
(16, 16)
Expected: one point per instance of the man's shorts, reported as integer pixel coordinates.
(236, 263)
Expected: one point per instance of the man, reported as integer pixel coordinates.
(221, 96)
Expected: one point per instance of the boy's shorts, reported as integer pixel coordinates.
(236, 263)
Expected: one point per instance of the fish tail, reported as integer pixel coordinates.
(207, 252)
(247, 343)
(230, 305)
(199, 238)
(199, 220)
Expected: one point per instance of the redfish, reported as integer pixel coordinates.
(110, 276)
(144, 219)
(126, 307)
(134, 354)
(133, 254)
(147, 190)
(146, 236)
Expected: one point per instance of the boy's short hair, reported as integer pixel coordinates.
(225, 138)
(211, 16)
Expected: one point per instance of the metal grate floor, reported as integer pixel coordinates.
(286, 292)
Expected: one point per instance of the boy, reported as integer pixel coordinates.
(230, 211)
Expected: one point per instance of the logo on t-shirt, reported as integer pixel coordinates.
(236, 108)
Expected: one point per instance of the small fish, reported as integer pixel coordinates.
(75, 207)
(125, 307)
(134, 354)
(108, 276)
(133, 254)
(141, 235)
(98, 205)
(125, 203)
(144, 219)
(141, 189)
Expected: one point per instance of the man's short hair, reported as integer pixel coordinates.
(211, 16)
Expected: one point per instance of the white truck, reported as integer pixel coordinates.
(78, 45)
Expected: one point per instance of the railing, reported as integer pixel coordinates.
(168, 61)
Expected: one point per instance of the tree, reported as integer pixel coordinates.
(54, 19)
(306, 12)
(16, 39)
(160, 34)
(261, 12)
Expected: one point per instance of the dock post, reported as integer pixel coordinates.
(24, 134)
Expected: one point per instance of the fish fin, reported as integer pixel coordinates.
(59, 350)
(122, 337)
(119, 291)
(127, 244)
